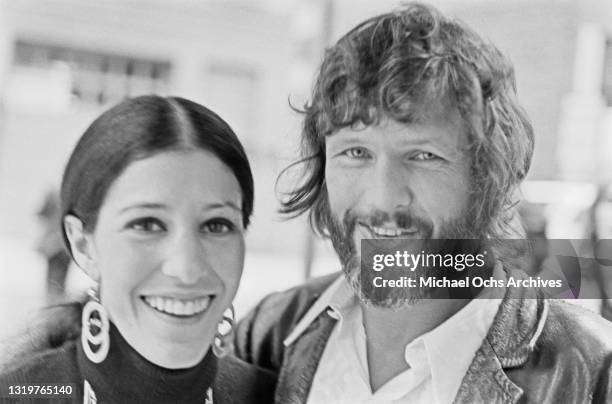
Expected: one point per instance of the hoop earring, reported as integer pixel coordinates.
(223, 344)
(94, 316)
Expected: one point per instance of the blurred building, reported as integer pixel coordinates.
(63, 61)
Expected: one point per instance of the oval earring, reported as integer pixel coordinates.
(223, 344)
(94, 317)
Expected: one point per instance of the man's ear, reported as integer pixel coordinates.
(81, 246)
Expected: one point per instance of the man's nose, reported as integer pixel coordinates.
(186, 259)
(387, 186)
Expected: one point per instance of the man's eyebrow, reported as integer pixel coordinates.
(347, 137)
(418, 141)
(357, 137)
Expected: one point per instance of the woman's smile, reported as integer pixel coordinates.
(178, 307)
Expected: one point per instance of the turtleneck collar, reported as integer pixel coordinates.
(125, 376)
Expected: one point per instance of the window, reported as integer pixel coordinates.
(96, 77)
(232, 91)
(607, 73)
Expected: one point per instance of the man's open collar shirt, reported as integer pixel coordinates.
(437, 360)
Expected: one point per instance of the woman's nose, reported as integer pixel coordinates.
(186, 260)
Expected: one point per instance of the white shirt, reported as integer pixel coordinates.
(438, 359)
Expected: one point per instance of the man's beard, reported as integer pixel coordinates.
(342, 238)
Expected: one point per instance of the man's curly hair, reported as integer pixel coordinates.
(390, 66)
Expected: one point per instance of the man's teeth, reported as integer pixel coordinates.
(176, 306)
(389, 232)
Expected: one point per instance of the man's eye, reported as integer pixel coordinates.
(147, 225)
(218, 226)
(425, 156)
(356, 153)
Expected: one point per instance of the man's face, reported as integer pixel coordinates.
(397, 180)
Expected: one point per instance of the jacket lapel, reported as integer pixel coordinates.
(296, 376)
(511, 339)
(486, 381)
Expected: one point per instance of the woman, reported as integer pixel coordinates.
(156, 198)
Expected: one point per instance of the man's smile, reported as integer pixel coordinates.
(388, 231)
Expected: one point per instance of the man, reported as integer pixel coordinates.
(414, 131)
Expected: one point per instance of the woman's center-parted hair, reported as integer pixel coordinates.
(138, 128)
(393, 65)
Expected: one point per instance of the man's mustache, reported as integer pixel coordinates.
(402, 219)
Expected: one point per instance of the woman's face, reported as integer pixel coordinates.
(168, 248)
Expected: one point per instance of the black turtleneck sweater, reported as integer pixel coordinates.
(126, 377)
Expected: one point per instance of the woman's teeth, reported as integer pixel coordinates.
(178, 307)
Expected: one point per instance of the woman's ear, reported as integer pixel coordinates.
(81, 246)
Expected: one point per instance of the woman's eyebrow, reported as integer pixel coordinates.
(153, 205)
(143, 205)
(225, 204)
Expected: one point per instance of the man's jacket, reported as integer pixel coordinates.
(536, 351)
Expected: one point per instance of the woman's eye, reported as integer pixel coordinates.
(147, 225)
(425, 156)
(218, 226)
(356, 153)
